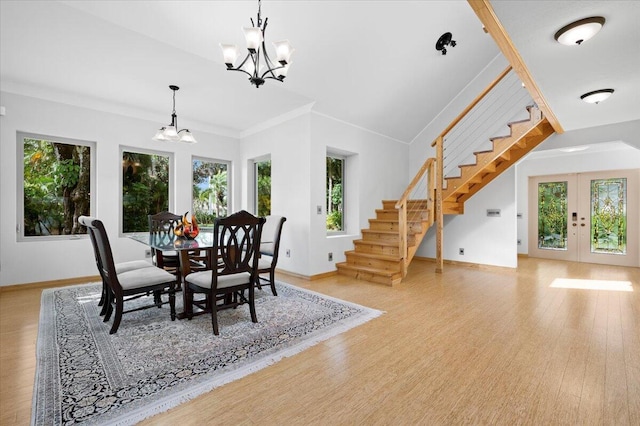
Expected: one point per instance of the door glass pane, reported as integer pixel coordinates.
(552, 215)
(609, 216)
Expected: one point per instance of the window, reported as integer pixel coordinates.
(263, 187)
(334, 193)
(145, 188)
(210, 190)
(56, 178)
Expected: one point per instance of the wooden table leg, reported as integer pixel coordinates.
(186, 270)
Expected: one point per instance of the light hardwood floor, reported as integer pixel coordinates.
(469, 346)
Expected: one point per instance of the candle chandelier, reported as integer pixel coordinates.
(257, 58)
(171, 132)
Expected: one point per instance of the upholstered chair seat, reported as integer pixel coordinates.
(144, 277)
(203, 279)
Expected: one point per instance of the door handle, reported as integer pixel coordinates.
(574, 224)
(582, 224)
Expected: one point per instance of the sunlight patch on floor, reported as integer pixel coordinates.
(586, 284)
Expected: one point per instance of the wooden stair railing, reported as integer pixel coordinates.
(427, 172)
(386, 249)
(507, 150)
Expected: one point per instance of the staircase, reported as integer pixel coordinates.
(376, 256)
(393, 237)
(507, 150)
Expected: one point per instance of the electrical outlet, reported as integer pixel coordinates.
(147, 253)
(288, 253)
(319, 209)
(330, 257)
(461, 251)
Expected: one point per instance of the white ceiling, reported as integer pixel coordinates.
(369, 63)
(610, 60)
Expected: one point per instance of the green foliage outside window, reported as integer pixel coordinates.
(145, 189)
(263, 188)
(209, 191)
(609, 216)
(335, 169)
(552, 215)
(57, 181)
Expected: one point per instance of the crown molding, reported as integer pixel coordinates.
(83, 101)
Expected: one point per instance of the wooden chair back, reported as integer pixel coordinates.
(237, 242)
(104, 255)
(162, 225)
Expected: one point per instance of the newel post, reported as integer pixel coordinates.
(439, 216)
(402, 231)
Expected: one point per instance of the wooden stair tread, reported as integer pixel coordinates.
(379, 231)
(374, 256)
(376, 242)
(375, 271)
(396, 210)
(411, 220)
(378, 256)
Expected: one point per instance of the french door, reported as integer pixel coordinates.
(586, 217)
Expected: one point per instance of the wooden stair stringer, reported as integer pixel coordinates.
(490, 164)
(377, 256)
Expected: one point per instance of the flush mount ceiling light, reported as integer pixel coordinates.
(596, 96)
(171, 132)
(257, 58)
(445, 40)
(580, 31)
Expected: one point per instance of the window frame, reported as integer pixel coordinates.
(20, 137)
(343, 225)
(229, 180)
(138, 150)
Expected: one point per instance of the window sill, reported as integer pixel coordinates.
(341, 235)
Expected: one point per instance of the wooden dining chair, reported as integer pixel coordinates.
(235, 252)
(161, 227)
(269, 248)
(106, 296)
(131, 284)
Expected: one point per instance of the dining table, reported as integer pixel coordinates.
(185, 247)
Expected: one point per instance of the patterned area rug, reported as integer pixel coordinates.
(151, 364)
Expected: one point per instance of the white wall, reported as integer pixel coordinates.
(421, 145)
(376, 170)
(486, 240)
(599, 157)
(288, 146)
(35, 261)
(627, 131)
(298, 148)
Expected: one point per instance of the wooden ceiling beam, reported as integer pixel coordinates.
(493, 26)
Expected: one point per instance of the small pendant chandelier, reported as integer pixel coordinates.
(171, 132)
(253, 64)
